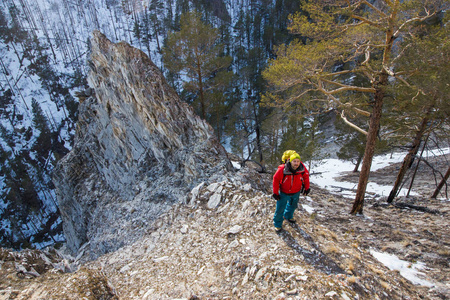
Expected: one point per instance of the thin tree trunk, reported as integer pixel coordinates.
(5, 71)
(258, 136)
(375, 117)
(441, 184)
(374, 126)
(407, 161)
(358, 162)
(417, 166)
(200, 87)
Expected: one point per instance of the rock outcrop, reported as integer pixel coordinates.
(138, 150)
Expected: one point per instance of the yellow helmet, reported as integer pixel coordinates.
(286, 155)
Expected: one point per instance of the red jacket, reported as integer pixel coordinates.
(288, 182)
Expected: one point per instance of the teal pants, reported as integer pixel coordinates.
(285, 208)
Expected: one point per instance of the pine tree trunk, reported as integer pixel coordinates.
(158, 46)
(441, 184)
(417, 165)
(374, 126)
(358, 162)
(258, 136)
(407, 161)
(200, 89)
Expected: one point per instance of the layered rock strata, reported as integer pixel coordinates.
(138, 149)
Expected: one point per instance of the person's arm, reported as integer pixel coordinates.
(277, 180)
(306, 179)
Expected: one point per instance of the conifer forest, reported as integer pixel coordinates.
(345, 79)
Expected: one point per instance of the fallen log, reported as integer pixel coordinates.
(403, 205)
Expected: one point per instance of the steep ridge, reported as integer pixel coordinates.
(138, 149)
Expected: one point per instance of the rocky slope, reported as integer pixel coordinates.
(138, 149)
(221, 245)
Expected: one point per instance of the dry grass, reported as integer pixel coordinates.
(406, 243)
(444, 252)
(328, 234)
(331, 249)
(376, 270)
(385, 285)
(352, 279)
(351, 266)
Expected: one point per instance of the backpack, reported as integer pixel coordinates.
(286, 155)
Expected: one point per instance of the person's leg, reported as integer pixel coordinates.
(291, 205)
(281, 206)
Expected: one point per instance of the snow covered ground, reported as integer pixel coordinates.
(410, 271)
(328, 170)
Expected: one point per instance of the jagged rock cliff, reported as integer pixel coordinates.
(138, 149)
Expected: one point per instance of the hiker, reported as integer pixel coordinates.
(290, 180)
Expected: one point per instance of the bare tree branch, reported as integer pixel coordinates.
(396, 75)
(352, 125)
(362, 112)
(344, 87)
(367, 21)
(338, 73)
(412, 20)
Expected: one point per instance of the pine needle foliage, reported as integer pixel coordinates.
(350, 51)
(195, 55)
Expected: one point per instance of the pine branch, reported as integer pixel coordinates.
(352, 125)
(367, 21)
(344, 87)
(420, 19)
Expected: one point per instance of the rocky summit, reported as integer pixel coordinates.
(138, 150)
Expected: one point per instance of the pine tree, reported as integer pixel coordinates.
(43, 144)
(348, 40)
(424, 108)
(193, 52)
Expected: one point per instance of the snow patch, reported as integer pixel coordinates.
(236, 165)
(410, 271)
(325, 174)
(308, 208)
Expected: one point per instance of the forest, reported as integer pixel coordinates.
(268, 75)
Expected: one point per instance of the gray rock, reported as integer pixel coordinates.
(214, 200)
(235, 229)
(138, 150)
(195, 191)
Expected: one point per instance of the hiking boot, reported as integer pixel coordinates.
(278, 229)
(292, 221)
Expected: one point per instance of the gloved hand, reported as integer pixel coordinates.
(276, 197)
(306, 192)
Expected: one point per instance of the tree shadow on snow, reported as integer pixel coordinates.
(314, 257)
